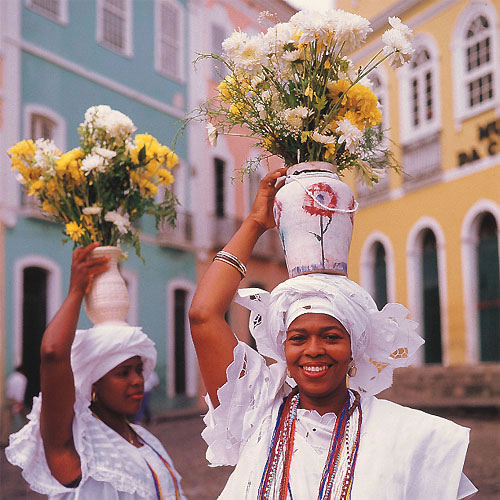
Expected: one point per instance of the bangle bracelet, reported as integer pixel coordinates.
(233, 261)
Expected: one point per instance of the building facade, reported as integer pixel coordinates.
(429, 238)
(220, 199)
(63, 56)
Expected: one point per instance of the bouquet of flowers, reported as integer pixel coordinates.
(295, 92)
(101, 188)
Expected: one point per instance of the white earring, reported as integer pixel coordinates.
(351, 368)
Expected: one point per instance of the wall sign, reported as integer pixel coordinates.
(489, 136)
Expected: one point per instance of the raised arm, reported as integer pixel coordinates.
(212, 336)
(57, 384)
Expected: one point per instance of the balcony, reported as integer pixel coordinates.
(422, 161)
(181, 235)
(268, 246)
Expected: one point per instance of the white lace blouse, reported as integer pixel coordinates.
(403, 453)
(112, 468)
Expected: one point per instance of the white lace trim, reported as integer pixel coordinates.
(125, 471)
(244, 400)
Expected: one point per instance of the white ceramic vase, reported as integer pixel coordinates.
(108, 301)
(314, 214)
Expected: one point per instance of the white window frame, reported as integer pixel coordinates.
(62, 17)
(132, 280)
(190, 353)
(414, 280)
(54, 295)
(410, 133)
(382, 94)
(60, 123)
(469, 240)
(458, 47)
(179, 43)
(367, 264)
(127, 50)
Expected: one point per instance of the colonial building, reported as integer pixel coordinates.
(59, 58)
(220, 200)
(429, 238)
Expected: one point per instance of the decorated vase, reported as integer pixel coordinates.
(314, 214)
(107, 300)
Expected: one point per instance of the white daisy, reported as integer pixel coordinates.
(349, 134)
(121, 222)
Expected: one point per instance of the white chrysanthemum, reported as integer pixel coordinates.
(293, 55)
(397, 47)
(322, 138)
(233, 45)
(396, 23)
(105, 153)
(295, 117)
(350, 30)
(212, 134)
(94, 162)
(252, 55)
(278, 36)
(121, 222)
(349, 134)
(114, 122)
(311, 26)
(93, 210)
(46, 155)
(262, 111)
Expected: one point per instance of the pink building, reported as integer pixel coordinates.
(220, 204)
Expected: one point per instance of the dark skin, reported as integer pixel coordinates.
(57, 382)
(214, 340)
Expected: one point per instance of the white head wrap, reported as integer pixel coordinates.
(96, 351)
(380, 340)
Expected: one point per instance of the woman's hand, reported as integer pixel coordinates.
(84, 267)
(262, 209)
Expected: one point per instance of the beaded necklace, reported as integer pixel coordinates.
(341, 455)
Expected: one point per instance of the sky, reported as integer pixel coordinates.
(311, 4)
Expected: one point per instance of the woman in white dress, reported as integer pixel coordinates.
(328, 437)
(79, 443)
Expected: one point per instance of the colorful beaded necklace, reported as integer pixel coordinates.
(341, 455)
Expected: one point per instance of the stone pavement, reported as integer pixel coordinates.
(181, 437)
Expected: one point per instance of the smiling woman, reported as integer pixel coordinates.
(308, 425)
(92, 381)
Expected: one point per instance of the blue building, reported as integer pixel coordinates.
(60, 57)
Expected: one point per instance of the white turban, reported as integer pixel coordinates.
(380, 340)
(96, 351)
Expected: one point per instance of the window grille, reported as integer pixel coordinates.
(115, 25)
(169, 40)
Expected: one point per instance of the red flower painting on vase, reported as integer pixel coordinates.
(321, 201)
(277, 210)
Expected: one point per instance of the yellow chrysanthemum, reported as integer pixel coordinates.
(171, 159)
(74, 231)
(69, 160)
(165, 178)
(146, 187)
(336, 89)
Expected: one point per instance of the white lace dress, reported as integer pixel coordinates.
(112, 468)
(403, 453)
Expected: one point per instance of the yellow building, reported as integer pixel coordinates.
(429, 238)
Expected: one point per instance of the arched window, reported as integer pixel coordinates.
(475, 58)
(421, 112)
(34, 321)
(430, 299)
(181, 358)
(380, 276)
(488, 299)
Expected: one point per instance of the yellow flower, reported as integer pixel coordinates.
(68, 160)
(309, 92)
(74, 231)
(172, 159)
(146, 187)
(49, 208)
(336, 89)
(36, 187)
(24, 148)
(165, 178)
